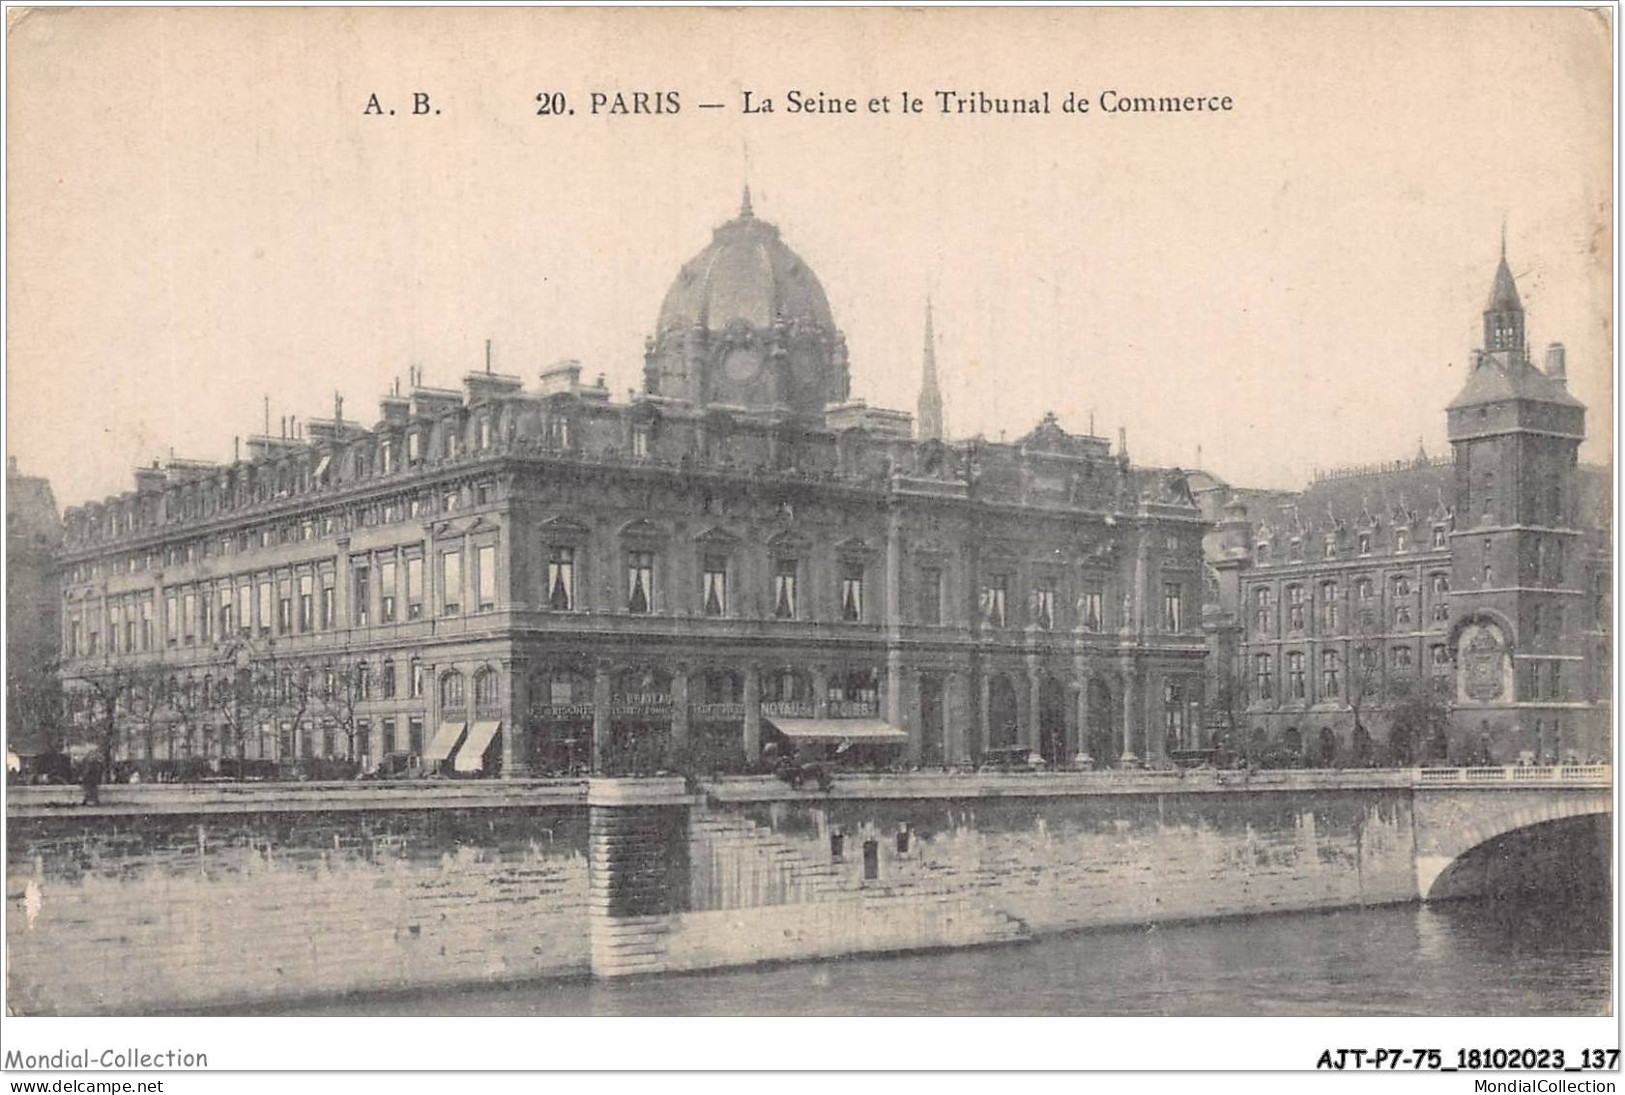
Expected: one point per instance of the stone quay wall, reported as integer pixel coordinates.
(167, 898)
(191, 898)
(920, 863)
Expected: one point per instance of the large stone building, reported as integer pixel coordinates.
(1483, 579)
(535, 579)
(33, 614)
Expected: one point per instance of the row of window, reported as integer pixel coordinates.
(1363, 543)
(993, 601)
(415, 507)
(288, 604)
(1331, 608)
(1296, 666)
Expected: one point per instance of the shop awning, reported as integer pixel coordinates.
(444, 741)
(471, 757)
(875, 730)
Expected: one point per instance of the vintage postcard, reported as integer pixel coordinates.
(1086, 513)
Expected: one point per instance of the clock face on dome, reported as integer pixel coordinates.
(742, 365)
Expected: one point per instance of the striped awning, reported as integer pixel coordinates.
(444, 741)
(471, 757)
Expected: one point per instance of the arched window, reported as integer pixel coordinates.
(485, 688)
(451, 691)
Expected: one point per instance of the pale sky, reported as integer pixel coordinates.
(200, 214)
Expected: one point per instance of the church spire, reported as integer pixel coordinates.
(1503, 315)
(744, 204)
(930, 411)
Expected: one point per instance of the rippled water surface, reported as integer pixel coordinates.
(1507, 957)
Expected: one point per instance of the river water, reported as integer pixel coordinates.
(1504, 957)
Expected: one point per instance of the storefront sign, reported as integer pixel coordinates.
(848, 709)
(563, 712)
(716, 712)
(788, 709)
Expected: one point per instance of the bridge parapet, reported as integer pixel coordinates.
(1570, 775)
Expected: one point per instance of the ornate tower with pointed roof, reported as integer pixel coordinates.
(930, 416)
(1516, 564)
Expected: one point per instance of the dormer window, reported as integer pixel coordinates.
(640, 441)
(1263, 552)
(1402, 539)
(1438, 536)
(1331, 547)
(1365, 543)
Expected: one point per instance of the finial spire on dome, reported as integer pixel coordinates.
(744, 204)
(1503, 237)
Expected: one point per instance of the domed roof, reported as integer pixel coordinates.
(747, 273)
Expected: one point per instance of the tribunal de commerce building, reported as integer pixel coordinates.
(525, 576)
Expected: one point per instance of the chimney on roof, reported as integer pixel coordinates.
(1557, 366)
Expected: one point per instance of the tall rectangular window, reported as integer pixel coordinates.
(784, 589)
(451, 583)
(561, 578)
(115, 614)
(386, 592)
(307, 602)
(1294, 607)
(265, 607)
(485, 561)
(1294, 675)
(1263, 679)
(329, 602)
(1328, 603)
(245, 608)
(1400, 657)
(414, 588)
(1044, 606)
(146, 624)
(225, 612)
(640, 441)
(1330, 682)
(1091, 611)
(995, 591)
(284, 606)
(361, 583)
(640, 581)
(188, 616)
(1173, 615)
(930, 607)
(852, 592)
(1262, 615)
(714, 585)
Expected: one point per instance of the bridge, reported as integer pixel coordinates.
(1465, 819)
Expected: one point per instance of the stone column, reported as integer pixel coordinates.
(820, 696)
(679, 712)
(1130, 685)
(981, 737)
(956, 716)
(1031, 731)
(1080, 744)
(753, 713)
(515, 746)
(600, 716)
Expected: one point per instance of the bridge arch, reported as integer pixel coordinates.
(1453, 824)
